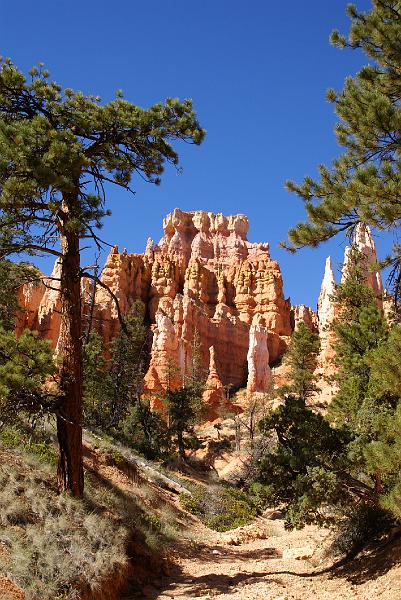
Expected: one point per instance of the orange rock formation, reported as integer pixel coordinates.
(203, 275)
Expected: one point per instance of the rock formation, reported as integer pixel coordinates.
(326, 313)
(215, 401)
(367, 257)
(204, 279)
(259, 373)
(304, 314)
(203, 276)
(365, 246)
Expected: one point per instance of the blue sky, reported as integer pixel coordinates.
(257, 72)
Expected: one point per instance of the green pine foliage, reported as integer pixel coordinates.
(343, 467)
(26, 365)
(301, 359)
(127, 365)
(26, 361)
(97, 383)
(114, 402)
(113, 385)
(59, 150)
(184, 405)
(363, 183)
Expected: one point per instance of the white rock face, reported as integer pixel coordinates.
(325, 303)
(259, 373)
(365, 244)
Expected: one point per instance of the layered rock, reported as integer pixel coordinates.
(301, 313)
(366, 255)
(204, 277)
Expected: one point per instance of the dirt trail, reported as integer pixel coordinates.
(255, 563)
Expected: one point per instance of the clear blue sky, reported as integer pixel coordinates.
(257, 72)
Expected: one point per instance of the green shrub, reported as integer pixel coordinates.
(363, 524)
(38, 443)
(220, 507)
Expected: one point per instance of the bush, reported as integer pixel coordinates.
(36, 443)
(362, 525)
(220, 507)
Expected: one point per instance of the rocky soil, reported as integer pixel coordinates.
(265, 562)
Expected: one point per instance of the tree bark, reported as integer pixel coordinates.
(70, 475)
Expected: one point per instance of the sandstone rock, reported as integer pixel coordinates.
(203, 277)
(304, 314)
(364, 242)
(214, 396)
(259, 373)
(298, 553)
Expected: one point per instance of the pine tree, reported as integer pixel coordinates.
(127, 365)
(344, 465)
(301, 359)
(58, 150)
(97, 383)
(363, 183)
(184, 404)
(26, 364)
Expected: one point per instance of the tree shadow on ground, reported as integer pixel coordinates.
(193, 586)
(370, 564)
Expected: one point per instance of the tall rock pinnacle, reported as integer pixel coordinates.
(365, 245)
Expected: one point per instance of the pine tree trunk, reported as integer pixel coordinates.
(69, 420)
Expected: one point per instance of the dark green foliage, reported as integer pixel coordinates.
(183, 408)
(127, 365)
(345, 466)
(145, 430)
(59, 147)
(363, 183)
(58, 151)
(113, 385)
(359, 330)
(26, 363)
(184, 405)
(113, 389)
(97, 383)
(220, 507)
(301, 470)
(302, 360)
(362, 525)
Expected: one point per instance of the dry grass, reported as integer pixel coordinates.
(60, 548)
(56, 545)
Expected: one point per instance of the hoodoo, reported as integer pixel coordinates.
(203, 275)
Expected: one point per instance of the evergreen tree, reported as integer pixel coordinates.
(127, 365)
(301, 359)
(184, 404)
(26, 364)
(97, 383)
(323, 467)
(58, 149)
(363, 183)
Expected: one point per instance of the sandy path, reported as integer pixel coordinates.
(211, 567)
